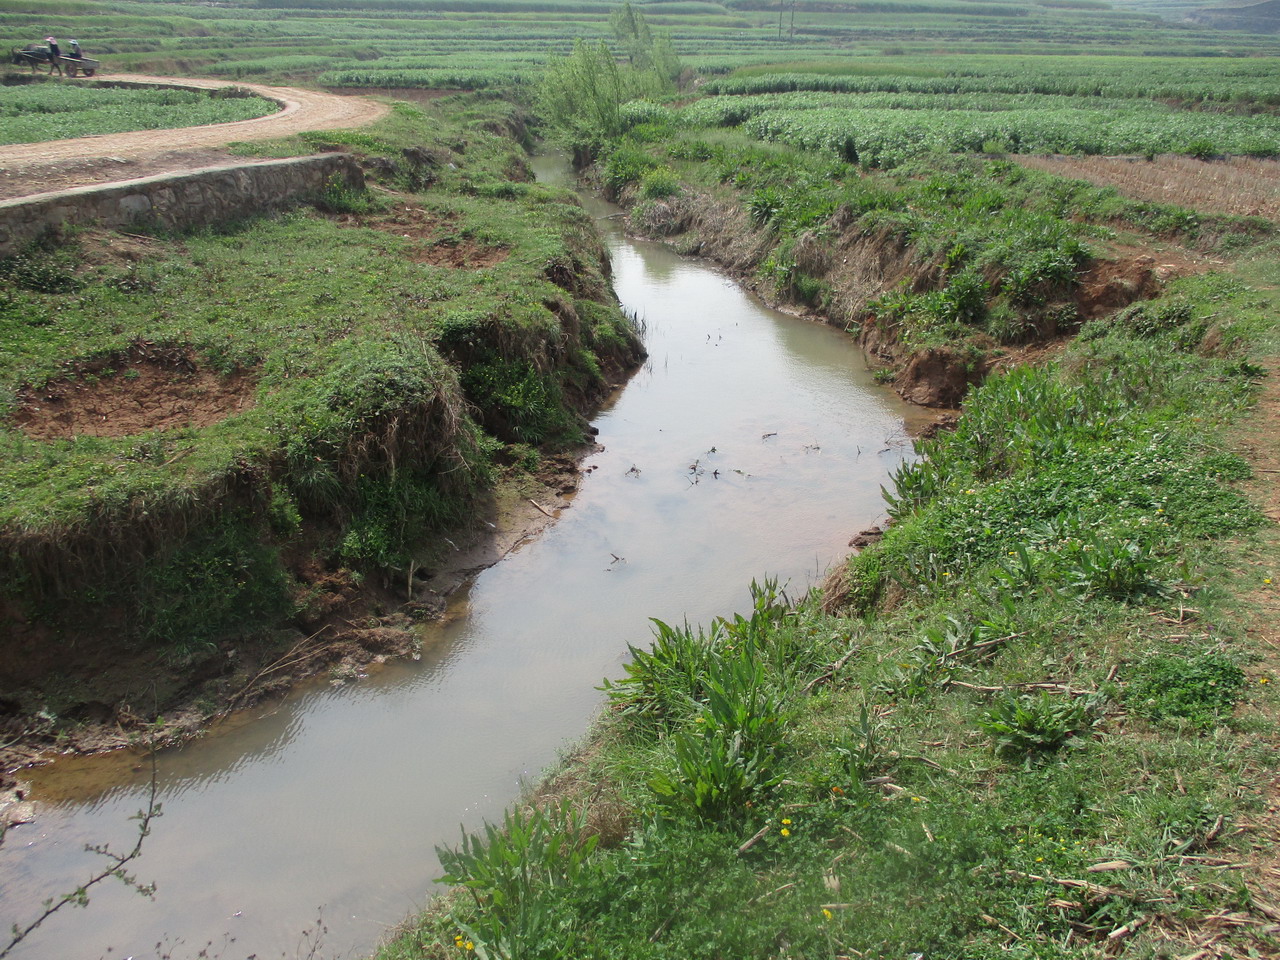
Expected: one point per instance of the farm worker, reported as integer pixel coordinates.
(54, 53)
(75, 50)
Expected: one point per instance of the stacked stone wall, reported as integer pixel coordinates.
(175, 201)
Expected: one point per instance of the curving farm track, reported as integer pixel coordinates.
(27, 168)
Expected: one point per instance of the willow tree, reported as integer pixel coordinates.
(581, 95)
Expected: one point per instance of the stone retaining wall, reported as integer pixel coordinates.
(174, 200)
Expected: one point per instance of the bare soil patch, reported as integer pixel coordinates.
(1240, 185)
(149, 388)
(439, 246)
(461, 255)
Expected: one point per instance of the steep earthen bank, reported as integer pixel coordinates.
(856, 267)
(81, 671)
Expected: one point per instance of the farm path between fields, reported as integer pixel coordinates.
(29, 168)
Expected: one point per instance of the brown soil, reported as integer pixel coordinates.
(937, 378)
(439, 246)
(22, 180)
(460, 254)
(59, 164)
(148, 388)
(1239, 185)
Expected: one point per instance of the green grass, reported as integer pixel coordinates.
(52, 111)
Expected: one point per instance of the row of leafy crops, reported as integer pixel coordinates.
(1210, 79)
(888, 137)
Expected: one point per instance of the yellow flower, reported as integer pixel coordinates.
(1266, 579)
(457, 941)
(469, 945)
(1264, 679)
(785, 832)
(827, 913)
(786, 821)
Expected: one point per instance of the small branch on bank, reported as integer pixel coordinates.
(115, 868)
(831, 671)
(542, 509)
(760, 835)
(290, 658)
(999, 926)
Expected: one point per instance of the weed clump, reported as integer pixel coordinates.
(1200, 691)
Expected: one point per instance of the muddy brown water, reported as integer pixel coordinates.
(329, 804)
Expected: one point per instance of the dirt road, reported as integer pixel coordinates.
(28, 168)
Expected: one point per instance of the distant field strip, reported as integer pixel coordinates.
(1240, 186)
(888, 137)
(1256, 80)
(53, 111)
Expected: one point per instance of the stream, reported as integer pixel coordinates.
(751, 444)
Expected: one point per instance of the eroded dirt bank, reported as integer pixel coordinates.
(83, 675)
(349, 625)
(857, 269)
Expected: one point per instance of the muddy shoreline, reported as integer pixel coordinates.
(359, 627)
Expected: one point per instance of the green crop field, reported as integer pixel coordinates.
(52, 111)
(466, 43)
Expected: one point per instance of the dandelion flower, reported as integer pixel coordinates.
(469, 945)
(827, 913)
(785, 832)
(786, 821)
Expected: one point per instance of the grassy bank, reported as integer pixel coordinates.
(1035, 720)
(942, 265)
(211, 434)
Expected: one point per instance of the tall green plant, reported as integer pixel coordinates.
(581, 95)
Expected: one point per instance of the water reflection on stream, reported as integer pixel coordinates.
(335, 798)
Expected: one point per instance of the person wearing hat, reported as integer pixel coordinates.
(54, 54)
(75, 50)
